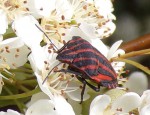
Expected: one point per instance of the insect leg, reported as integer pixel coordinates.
(83, 88)
(84, 85)
(90, 85)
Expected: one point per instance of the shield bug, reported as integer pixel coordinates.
(87, 63)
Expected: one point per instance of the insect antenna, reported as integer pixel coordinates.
(46, 36)
(50, 72)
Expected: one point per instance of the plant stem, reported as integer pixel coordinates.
(140, 43)
(135, 53)
(23, 88)
(23, 95)
(22, 70)
(29, 82)
(19, 105)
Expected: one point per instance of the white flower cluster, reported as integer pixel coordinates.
(128, 104)
(60, 20)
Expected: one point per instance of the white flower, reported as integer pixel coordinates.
(102, 105)
(126, 103)
(25, 28)
(55, 106)
(72, 13)
(123, 105)
(3, 21)
(9, 112)
(105, 9)
(13, 53)
(137, 82)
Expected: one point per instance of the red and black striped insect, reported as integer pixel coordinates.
(87, 63)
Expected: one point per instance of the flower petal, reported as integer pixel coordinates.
(126, 103)
(37, 58)
(105, 7)
(37, 97)
(118, 66)
(25, 29)
(3, 22)
(137, 82)
(37, 108)
(145, 110)
(77, 107)
(76, 95)
(9, 112)
(113, 49)
(74, 31)
(64, 8)
(88, 30)
(12, 43)
(99, 104)
(62, 106)
(100, 46)
(1, 37)
(145, 99)
(44, 87)
(104, 32)
(40, 8)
